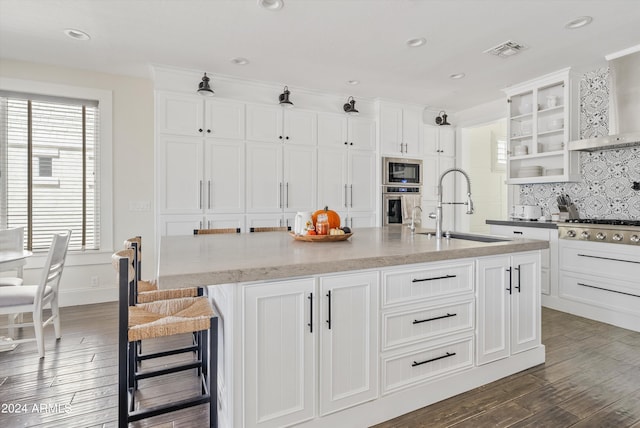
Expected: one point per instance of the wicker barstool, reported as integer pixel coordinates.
(145, 291)
(161, 319)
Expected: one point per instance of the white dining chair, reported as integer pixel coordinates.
(12, 240)
(34, 298)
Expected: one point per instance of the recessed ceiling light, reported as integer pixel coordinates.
(239, 61)
(457, 76)
(353, 82)
(578, 22)
(414, 43)
(77, 34)
(271, 4)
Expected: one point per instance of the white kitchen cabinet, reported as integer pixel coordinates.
(337, 130)
(401, 130)
(179, 224)
(348, 340)
(273, 124)
(283, 322)
(280, 179)
(508, 305)
(356, 219)
(180, 175)
(543, 116)
(224, 176)
(191, 115)
(439, 140)
(550, 257)
(199, 176)
(345, 180)
(279, 353)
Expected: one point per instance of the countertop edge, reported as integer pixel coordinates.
(310, 269)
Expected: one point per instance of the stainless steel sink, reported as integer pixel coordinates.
(470, 237)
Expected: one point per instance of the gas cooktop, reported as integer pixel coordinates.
(605, 230)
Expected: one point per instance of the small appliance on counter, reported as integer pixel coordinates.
(526, 212)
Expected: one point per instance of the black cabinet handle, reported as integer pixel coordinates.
(432, 279)
(606, 289)
(447, 355)
(607, 258)
(310, 324)
(329, 311)
(517, 232)
(510, 283)
(434, 318)
(518, 286)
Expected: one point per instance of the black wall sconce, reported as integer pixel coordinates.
(284, 98)
(204, 88)
(442, 118)
(350, 107)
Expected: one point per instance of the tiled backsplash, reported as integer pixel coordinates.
(608, 175)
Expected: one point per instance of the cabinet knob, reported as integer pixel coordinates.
(286, 138)
(280, 137)
(200, 130)
(351, 144)
(208, 131)
(346, 143)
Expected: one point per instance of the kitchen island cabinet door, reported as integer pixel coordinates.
(492, 310)
(525, 302)
(348, 340)
(279, 353)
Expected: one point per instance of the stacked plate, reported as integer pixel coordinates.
(554, 171)
(529, 171)
(554, 147)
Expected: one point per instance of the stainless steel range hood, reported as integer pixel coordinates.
(624, 105)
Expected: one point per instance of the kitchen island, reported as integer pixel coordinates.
(357, 332)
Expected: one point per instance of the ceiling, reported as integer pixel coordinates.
(321, 44)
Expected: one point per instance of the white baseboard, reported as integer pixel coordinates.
(608, 316)
(87, 296)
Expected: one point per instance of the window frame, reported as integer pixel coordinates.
(105, 102)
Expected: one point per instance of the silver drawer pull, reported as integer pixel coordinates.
(448, 354)
(433, 279)
(608, 258)
(434, 318)
(606, 289)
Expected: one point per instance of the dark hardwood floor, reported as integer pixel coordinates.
(591, 379)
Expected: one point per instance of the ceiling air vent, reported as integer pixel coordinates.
(506, 49)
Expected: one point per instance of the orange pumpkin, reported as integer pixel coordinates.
(332, 216)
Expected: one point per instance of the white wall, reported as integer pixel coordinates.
(488, 186)
(133, 171)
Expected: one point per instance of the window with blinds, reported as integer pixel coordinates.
(49, 150)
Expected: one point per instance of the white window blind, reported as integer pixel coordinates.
(49, 151)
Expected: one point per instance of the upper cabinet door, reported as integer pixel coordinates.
(362, 194)
(332, 130)
(180, 114)
(300, 173)
(332, 178)
(412, 131)
(431, 136)
(264, 123)
(300, 127)
(224, 119)
(391, 129)
(224, 175)
(179, 175)
(362, 133)
(264, 184)
(447, 141)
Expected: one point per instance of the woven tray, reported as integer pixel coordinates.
(321, 238)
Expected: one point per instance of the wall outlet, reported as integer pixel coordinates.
(95, 281)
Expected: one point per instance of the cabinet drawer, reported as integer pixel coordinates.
(612, 294)
(601, 259)
(408, 369)
(438, 280)
(525, 232)
(412, 325)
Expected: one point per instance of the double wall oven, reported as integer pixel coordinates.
(401, 185)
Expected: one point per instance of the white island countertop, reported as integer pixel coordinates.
(186, 261)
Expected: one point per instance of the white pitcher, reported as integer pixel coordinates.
(303, 222)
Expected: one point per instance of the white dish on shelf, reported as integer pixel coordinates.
(554, 171)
